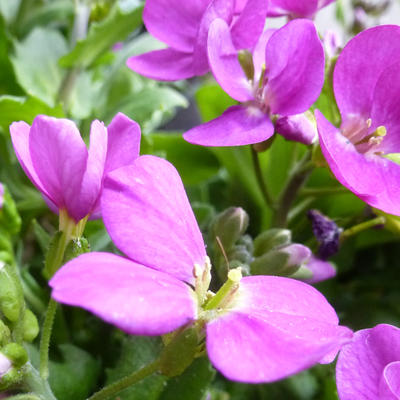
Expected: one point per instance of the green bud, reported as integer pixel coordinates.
(10, 378)
(31, 326)
(241, 254)
(10, 299)
(302, 274)
(5, 334)
(229, 226)
(10, 220)
(76, 247)
(179, 352)
(271, 239)
(6, 257)
(16, 354)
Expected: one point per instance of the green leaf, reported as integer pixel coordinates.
(204, 165)
(136, 352)
(192, 384)
(8, 9)
(102, 35)
(36, 63)
(24, 109)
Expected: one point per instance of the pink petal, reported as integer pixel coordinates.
(237, 126)
(174, 22)
(59, 157)
(362, 364)
(321, 270)
(259, 53)
(20, 139)
(164, 65)
(296, 8)
(374, 179)
(298, 128)
(354, 91)
(277, 327)
(149, 218)
(137, 299)
(295, 68)
(249, 25)
(223, 58)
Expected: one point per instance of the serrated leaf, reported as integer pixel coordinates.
(24, 109)
(192, 384)
(36, 63)
(102, 35)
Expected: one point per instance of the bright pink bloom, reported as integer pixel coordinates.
(366, 84)
(56, 160)
(288, 78)
(184, 25)
(368, 367)
(296, 8)
(270, 328)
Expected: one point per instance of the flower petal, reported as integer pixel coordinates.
(59, 157)
(298, 128)
(390, 382)
(237, 126)
(295, 68)
(164, 65)
(277, 327)
(295, 8)
(365, 52)
(373, 179)
(224, 62)
(20, 139)
(137, 299)
(149, 218)
(249, 25)
(174, 22)
(361, 363)
(321, 270)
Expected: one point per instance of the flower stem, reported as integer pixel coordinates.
(45, 339)
(124, 383)
(35, 385)
(260, 180)
(362, 227)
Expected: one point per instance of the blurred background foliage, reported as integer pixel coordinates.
(67, 59)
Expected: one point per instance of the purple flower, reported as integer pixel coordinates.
(296, 8)
(258, 329)
(366, 83)
(319, 270)
(368, 368)
(56, 160)
(184, 26)
(286, 78)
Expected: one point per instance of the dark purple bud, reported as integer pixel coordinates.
(326, 232)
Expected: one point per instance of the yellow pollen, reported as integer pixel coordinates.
(380, 131)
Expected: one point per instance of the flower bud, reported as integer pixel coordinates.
(10, 220)
(271, 239)
(31, 326)
(10, 299)
(284, 261)
(5, 365)
(16, 354)
(229, 226)
(5, 334)
(299, 128)
(316, 270)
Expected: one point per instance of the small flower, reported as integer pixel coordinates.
(282, 77)
(296, 8)
(69, 176)
(256, 328)
(368, 368)
(361, 151)
(184, 26)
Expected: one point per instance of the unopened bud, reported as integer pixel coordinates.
(10, 220)
(271, 239)
(282, 262)
(10, 299)
(229, 226)
(31, 326)
(299, 128)
(5, 334)
(5, 365)
(16, 354)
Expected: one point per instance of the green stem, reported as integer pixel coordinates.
(260, 180)
(33, 383)
(288, 196)
(124, 383)
(362, 227)
(45, 339)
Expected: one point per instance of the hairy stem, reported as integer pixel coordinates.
(362, 227)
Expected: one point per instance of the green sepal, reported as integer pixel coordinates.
(16, 354)
(12, 377)
(275, 262)
(271, 239)
(10, 220)
(31, 326)
(180, 352)
(10, 299)
(55, 254)
(76, 247)
(5, 334)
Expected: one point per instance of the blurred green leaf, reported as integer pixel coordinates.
(192, 384)
(36, 63)
(136, 352)
(102, 35)
(24, 109)
(9, 9)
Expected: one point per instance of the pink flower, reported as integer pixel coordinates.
(296, 8)
(257, 329)
(56, 160)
